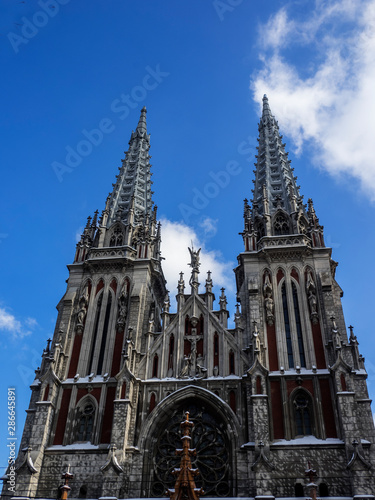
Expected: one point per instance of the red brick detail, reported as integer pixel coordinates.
(279, 276)
(187, 348)
(113, 285)
(318, 345)
(327, 407)
(46, 392)
(116, 360)
(75, 355)
(83, 392)
(152, 403)
(108, 416)
(123, 391)
(99, 286)
(63, 415)
(277, 410)
(306, 384)
(295, 275)
(272, 347)
(200, 347)
(343, 382)
(232, 401)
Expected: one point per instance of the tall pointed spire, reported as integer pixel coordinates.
(134, 178)
(277, 204)
(142, 125)
(273, 173)
(129, 217)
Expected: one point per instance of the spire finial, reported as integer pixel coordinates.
(142, 125)
(266, 107)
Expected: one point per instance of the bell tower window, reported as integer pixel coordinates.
(298, 326)
(86, 423)
(302, 414)
(287, 327)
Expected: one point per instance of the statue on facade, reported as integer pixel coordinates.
(194, 264)
(311, 297)
(184, 373)
(82, 312)
(268, 300)
(122, 309)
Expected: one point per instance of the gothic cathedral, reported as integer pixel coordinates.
(284, 387)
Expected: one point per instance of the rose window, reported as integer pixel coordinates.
(209, 438)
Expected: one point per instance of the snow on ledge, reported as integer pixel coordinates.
(307, 440)
(75, 446)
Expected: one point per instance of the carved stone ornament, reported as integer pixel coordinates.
(122, 310)
(82, 312)
(311, 297)
(209, 437)
(268, 300)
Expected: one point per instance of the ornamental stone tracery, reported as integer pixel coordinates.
(209, 437)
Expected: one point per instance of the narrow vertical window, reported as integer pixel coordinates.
(302, 413)
(152, 402)
(171, 351)
(216, 350)
(155, 366)
(231, 363)
(232, 401)
(96, 326)
(259, 385)
(105, 332)
(343, 382)
(85, 423)
(298, 326)
(287, 327)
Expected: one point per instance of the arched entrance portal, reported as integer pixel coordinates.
(213, 450)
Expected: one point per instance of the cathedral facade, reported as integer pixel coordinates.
(284, 387)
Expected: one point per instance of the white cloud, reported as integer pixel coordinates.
(10, 324)
(176, 238)
(31, 322)
(78, 234)
(209, 226)
(328, 102)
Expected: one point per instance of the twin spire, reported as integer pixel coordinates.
(132, 190)
(277, 206)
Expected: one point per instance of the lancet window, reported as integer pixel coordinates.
(280, 225)
(293, 326)
(302, 407)
(288, 334)
(85, 422)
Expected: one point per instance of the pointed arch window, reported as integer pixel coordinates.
(216, 350)
(171, 351)
(152, 402)
(105, 333)
(302, 414)
(232, 401)
(155, 366)
(85, 425)
(95, 333)
(288, 335)
(298, 326)
(231, 363)
(280, 225)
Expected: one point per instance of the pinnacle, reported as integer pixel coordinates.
(266, 107)
(142, 125)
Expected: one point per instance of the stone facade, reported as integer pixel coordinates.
(285, 386)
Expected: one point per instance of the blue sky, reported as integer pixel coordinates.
(201, 68)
